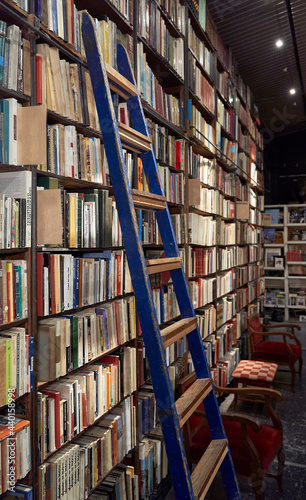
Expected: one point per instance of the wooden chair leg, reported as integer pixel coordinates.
(258, 485)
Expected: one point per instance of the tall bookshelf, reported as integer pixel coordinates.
(285, 238)
(206, 137)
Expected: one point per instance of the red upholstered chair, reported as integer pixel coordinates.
(282, 353)
(253, 445)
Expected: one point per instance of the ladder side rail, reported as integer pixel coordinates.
(144, 300)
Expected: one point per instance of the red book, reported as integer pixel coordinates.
(118, 272)
(39, 96)
(39, 283)
(57, 399)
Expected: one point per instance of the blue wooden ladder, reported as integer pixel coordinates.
(172, 414)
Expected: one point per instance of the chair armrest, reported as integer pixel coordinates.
(266, 334)
(242, 419)
(251, 391)
(283, 325)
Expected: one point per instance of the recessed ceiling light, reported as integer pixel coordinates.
(279, 43)
(292, 91)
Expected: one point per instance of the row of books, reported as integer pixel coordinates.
(227, 118)
(81, 465)
(228, 337)
(70, 405)
(242, 190)
(201, 230)
(207, 321)
(202, 291)
(202, 168)
(241, 275)
(256, 288)
(242, 255)
(64, 20)
(16, 353)
(153, 29)
(226, 181)
(61, 18)
(227, 257)
(153, 463)
(172, 184)
(109, 37)
(13, 290)
(66, 282)
(175, 11)
(15, 447)
(147, 411)
(205, 57)
(15, 209)
(255, 271)
(148, 228)
(256, 253)
(255, 217)
(225, 283)
(200, 129)
(226, 309)
(167, 105)
(71, 154)
(15, 59)
(212, 201)
(226, 365)
(165, 303)
(167, 148)
(64, 87)
(200, 86)
(67, 343)
(86, 219)
(121, 484)
(202, 261)
(226, 232)
(242, 298)
(227, 149)
(225, 86)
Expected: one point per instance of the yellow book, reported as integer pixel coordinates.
(72, 220)
(104, 40)
(10, 291)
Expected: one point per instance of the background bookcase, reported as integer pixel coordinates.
(206, 136)
(285, 285)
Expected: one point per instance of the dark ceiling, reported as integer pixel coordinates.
(251, 28)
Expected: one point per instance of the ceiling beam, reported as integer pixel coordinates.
(295, 48)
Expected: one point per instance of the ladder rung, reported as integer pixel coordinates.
(118, 83)
(178, 330)
(207, 467)
(160, 265)
(148, 201)
(133, 139)
(191, 398)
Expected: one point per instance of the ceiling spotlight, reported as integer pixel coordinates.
(292, 91)
(279, 43)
